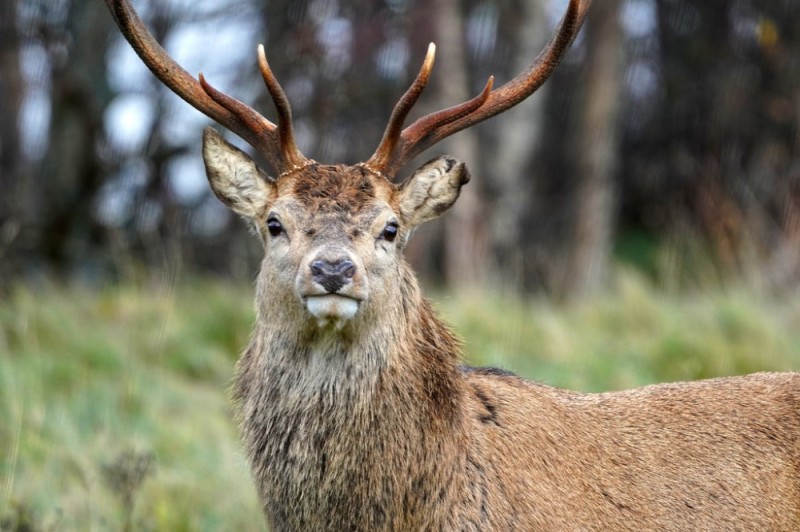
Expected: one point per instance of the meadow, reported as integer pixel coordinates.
(114, 407)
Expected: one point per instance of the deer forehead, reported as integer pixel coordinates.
(351, 193)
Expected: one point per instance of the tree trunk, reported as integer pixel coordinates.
(72, 172)
(12, 165)
(465, 258)
(518, 137)
(596, 143)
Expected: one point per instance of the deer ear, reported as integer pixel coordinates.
(234, 176)
(432, 190)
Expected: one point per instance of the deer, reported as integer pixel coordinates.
(355, 409)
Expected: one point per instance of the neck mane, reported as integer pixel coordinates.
(333, 421)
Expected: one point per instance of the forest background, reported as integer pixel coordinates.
(636, 220)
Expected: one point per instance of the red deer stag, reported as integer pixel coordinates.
(355, 411)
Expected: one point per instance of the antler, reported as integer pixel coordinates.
(275, 143)
(397, 148)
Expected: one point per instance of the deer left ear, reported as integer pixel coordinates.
(234, 176)
(432, 190)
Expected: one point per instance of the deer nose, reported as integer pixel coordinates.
(332, 275)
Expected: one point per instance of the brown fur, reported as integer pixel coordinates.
(373, 424)
(339, 187)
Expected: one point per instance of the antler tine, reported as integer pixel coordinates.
(391, 135)
(432, 128)
(240, 118)
(291, 153)
(439, 119)
(262, 129)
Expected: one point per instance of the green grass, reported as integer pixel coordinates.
(632, 337)
(114, 409)
(87, 379)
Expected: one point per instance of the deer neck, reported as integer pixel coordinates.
(318, 413)
(404, 337)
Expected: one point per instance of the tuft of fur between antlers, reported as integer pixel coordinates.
(355, 410)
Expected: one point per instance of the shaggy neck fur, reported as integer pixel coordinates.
(343, 429)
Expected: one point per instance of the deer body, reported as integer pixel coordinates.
(371, 423)
(388, 432)
(354, 409)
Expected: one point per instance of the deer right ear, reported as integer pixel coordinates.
(234, 176)
(432, 190)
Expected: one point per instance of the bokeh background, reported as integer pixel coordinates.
(637, 220)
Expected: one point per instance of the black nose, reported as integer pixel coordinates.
(332, 275)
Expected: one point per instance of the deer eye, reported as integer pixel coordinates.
(274, 226)
(390, 232)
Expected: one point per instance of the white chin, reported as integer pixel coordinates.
(332, 309)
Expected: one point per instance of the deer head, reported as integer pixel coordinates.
(333, 234)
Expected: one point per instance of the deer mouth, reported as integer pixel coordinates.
(332, 309)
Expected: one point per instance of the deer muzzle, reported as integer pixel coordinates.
(332, 287)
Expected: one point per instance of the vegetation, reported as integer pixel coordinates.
(97, 389)
(116, 415)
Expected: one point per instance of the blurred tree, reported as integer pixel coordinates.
(684, 114)
(12, 160)
(713, 148)
(66, 232)
(465, 257)
(508, 174)
(596, 152)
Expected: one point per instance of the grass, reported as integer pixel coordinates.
(95, 385)
(632, 337)
(114, 411)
